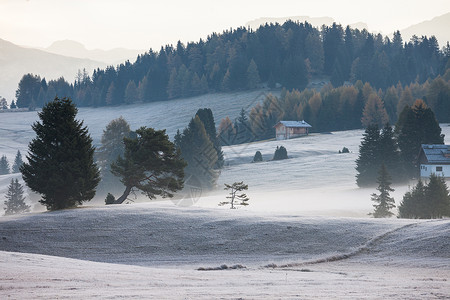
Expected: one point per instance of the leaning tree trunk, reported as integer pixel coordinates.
(124, 197)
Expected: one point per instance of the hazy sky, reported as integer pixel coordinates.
(141, 24)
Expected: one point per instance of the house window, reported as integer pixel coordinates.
(438, 169)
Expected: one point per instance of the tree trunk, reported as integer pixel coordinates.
(122, 198)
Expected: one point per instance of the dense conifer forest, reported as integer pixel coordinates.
(290, 55)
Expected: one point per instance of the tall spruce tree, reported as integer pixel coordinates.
(61, 158)
(4, 165)
(18, 162)
(390, 154)
(207, 118)
(416, 125)
(199, 153)
(15, 201)
(151, 164)
(368, 161)
(383, 202)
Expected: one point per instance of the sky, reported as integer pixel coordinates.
(145, 24)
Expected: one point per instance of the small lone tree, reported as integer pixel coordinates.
(280, 153)
(4, 165)
(61, 158)
(234, 196)
(18, 162)
(15, 201)
(257, 157)
(151, 164)
(383, 202)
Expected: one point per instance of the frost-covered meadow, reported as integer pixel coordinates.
(305, 235)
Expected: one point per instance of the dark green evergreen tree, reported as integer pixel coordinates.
(390, 154)
(280, 153)
(383, 202)
(368, 161)
(199, 153)
(416, 126)
(4, 165)
(15, 201)
(426, 202)
(18, 162)
(258, 157)
(112, 146)
(413, 204)
(151, 164)
(60, 158)
(207, 118)
(437, 198)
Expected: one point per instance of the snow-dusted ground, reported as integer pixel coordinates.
(305, 235)
(155, 250)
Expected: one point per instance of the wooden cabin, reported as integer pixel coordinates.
(285, 130)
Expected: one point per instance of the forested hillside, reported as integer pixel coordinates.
(290, 54)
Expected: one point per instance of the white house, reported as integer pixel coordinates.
(435, 159)
(285, 130)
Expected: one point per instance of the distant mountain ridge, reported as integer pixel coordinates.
(76, 49)
(438, 26)
(15, 61)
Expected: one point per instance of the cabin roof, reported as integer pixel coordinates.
(436, 154)
(301, 124)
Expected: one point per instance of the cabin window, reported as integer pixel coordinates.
(438, 169)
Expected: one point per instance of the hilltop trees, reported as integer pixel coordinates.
(151, 164)
(60, 158)
(15, 201)
(290, 54)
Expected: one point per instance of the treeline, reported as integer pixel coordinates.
(289, 54)
(333, 109)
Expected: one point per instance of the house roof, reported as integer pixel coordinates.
(294, 124)
(439, 154)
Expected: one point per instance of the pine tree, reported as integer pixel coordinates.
(60, 158)
(252, 75)
(426, 202)
(207, 118)
(368, 161)
(234, 196)
(199, 153)
(112, 146)
(18, 162)
(413, 203)
(257, 157)
(4, 165)
(151, 164)
(383, 202)
(374, 112)
(389, 153)
(416, 126)
(15, 201)
(437, 198)
(280, 153)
